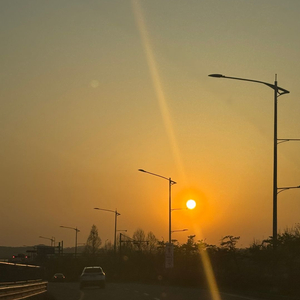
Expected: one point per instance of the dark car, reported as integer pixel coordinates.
(58, 277)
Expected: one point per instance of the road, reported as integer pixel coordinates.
(133, 291)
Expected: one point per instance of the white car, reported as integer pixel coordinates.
(92, 276)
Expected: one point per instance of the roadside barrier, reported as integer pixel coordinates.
(22, 290)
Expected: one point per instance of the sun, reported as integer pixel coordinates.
(191, 204)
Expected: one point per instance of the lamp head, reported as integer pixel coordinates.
(141, 170)
(216, 75)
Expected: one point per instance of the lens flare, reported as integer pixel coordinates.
(157, 83)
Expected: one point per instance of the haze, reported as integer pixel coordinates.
(91, 91)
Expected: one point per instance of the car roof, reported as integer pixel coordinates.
(94, 269)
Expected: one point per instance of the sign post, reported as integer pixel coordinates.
(169, 259)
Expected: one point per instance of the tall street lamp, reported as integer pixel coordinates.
(278, 91)
(116, 215)
(171, 182)
(76, 232)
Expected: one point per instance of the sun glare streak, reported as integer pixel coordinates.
(168, 124)
(157, 84)
(213, 287)
(209, 273)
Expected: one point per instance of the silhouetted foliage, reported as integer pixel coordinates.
(142, 258)
(93, 242)
(152, 242)
(139, 238)
(229, 242)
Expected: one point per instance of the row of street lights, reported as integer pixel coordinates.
(278, 91)
(171, 182)
(77, 230)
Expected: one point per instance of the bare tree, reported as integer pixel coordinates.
(139, 237)
(152, 241)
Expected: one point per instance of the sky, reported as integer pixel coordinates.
(92, 91)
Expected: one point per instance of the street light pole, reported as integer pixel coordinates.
(170, 212)
(171, 182)
(116, 215)
(275, 167)
(278, 91)
(76, 232)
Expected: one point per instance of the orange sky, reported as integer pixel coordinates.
(93, 91)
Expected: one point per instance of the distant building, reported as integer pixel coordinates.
(42, 250)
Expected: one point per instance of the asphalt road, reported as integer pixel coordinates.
(132, 291)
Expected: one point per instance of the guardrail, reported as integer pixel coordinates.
(16, 272)
(22, 290)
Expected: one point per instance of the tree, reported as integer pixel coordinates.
(229, 242)
(139, 238)
(190, 247)
(152, 241)
(93, 242)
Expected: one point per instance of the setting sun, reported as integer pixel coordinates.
(191, 204)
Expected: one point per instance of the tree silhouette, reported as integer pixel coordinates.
(229, 242)
(139, 237)
(93, 242)
(152, 242)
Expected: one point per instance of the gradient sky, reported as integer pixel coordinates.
(93, 90)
